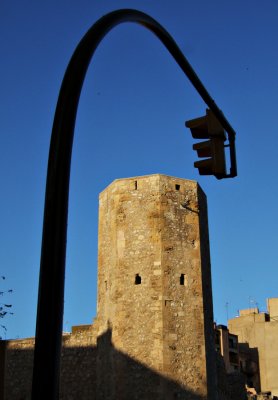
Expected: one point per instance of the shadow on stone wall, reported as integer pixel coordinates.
(94, 373)
(122, 377)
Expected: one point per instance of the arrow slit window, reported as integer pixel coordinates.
(182, 279)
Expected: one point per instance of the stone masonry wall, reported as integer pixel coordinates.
(152, 284)
(78, 366)
(18, 369)
(153, 335)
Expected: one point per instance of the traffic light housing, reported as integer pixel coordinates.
(213, 150)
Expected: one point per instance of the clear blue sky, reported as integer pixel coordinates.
(130, 122)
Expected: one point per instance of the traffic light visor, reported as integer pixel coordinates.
(198, 127)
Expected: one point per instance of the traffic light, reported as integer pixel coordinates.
(213, 150)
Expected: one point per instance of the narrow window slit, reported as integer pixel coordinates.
(182, 279)
(135, 185)
(137, 279)
(178, 187)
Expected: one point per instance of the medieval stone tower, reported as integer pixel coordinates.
(154, 291)
(153, 336)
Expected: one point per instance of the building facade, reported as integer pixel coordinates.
(227, 345)
(258, 346)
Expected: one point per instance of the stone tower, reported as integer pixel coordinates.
(154, 291)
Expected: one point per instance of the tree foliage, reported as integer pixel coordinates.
(5, 307)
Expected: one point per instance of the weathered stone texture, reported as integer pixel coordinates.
(78, 366)
(150, 230)
(18, 370)
(153, 335)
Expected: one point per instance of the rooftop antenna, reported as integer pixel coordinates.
(252, 303)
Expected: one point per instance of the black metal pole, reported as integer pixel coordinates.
(53, 253)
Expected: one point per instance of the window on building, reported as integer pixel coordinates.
(135, 185)
(232, 342)
(182, 279)
(178, 187)
(137, 279)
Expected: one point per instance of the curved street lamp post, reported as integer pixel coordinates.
(53, 252)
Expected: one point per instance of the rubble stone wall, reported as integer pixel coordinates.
(154, 280)
(153, 336)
